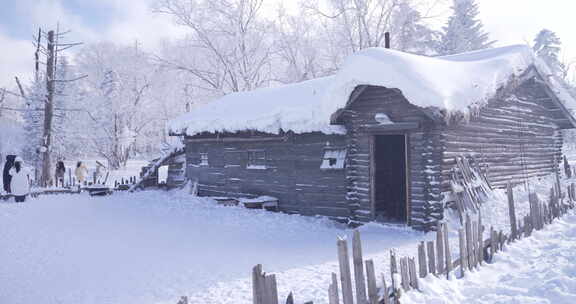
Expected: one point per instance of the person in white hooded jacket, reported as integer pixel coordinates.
(20, 184)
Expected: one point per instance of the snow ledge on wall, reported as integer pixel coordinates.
(456, 83)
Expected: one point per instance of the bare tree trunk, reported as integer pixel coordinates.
(48, 110)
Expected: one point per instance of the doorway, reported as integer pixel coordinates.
(389, 178)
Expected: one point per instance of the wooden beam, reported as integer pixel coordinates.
(401, 126)
(236, 139)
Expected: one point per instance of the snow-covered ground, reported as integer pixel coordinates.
(153, 246)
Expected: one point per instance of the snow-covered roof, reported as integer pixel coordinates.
(456, 83)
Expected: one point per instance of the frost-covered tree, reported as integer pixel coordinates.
(33, 122)
(116, 100)
(350, 25)
(229, 46)
(410, 33)
(299, 48)
(547, 46)
(464, 32)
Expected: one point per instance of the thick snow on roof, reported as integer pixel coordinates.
(293, 107)
(453, 83)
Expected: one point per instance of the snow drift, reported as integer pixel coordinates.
(456, 83)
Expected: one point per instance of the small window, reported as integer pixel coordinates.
(203, 160)
(256, 159)
(333, 159)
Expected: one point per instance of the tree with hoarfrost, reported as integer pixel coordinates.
(410, 33)
(299, 47)
(116, 100)
(229, 46)
(547, 46)
(464, 32)
(350, 25)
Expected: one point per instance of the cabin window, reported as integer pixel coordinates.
(233, 158)
(203, 160)
(256, 159)
(334, 158)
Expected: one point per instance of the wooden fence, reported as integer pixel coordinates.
(433, 257)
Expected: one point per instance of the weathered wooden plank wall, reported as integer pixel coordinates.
(516, 136)
(292, 173)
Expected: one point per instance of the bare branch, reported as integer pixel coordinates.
(71, 80)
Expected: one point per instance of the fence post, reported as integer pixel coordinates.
(500, 240)
(271, 289)
(413, 274)
(480, 238)
(345, 276)
(257, 292)
(463, 253)
(422, 266)
(469, 242)
(447, 253)
(371, 282)
(333, 291)
(431, 257)
(290, 298)
(395, 278)
(440, 247)
(385, 290)
(358, 268)
(404, 273)
(512, 212)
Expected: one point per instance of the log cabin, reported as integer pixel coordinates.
(378, 140)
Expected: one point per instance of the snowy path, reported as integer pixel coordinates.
(538, 269)
(152, 247)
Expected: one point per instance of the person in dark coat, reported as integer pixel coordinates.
(59, 174)
(6, 177)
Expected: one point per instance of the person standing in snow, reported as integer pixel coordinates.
(6, 175)
(20, 183)
(60, 172)
(80, 172)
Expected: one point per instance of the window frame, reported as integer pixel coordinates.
(204, 160)
(256, 159)
(338, 154)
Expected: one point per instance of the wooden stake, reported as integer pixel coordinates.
(440, 246)
(404, 273)
(480, 238)
(333, 297)
(422, 265)
(463, 253)
(257, 292)
(385, 291)
(512, 212)
(371, 282)
(394, 277)
(358, 268)
(345, 275)
(492, 243)
(468, 242)
(431, 257)
(447, 252)
(413, 274)
(271, 289)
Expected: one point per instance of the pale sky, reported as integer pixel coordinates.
(124, 21)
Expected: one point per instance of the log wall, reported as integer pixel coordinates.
(292, 173)
(422, 149)
(516, 136)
